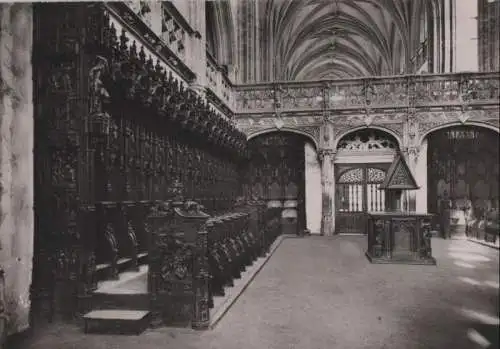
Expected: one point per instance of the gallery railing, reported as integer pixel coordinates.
(393, 92)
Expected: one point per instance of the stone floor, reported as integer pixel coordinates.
(322, 293)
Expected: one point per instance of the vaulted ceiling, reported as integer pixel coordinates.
(316, 39)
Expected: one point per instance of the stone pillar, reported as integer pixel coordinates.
(198, 51)
(16, 160)
(327, 157)
(411, 155)
(465, 36)
(313, 189)
(448, 38)
(421, 178)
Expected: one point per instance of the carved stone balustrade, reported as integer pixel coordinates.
(375, 92)
(220, 91)
(429, 100)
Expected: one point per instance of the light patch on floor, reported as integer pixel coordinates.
(469, 257)
(468, 249)
(469, 281)
(464, 265)
(480, 316)
(492, 284)
(477, 338)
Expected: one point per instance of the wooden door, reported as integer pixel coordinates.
(356, 194)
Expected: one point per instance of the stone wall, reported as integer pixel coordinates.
(16, 160)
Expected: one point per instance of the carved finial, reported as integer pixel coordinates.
(123, 41)
(113, 39)
(159, 69)
(142, 55)
(149, 64)
(133, 50)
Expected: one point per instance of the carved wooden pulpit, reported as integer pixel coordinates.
(395, 235)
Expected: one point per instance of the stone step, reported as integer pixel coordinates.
(122, 321)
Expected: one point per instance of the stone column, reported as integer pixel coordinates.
(198, 51)
(421, 178)
(448, 37)
(411, 155)
(16, 160)
(327, 157)
(466, 37)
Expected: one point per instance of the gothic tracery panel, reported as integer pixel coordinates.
(461, 173)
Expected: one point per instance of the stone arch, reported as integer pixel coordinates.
(360, 128)
(311, 137)
(453, 124)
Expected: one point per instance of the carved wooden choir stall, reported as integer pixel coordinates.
(397, 236)
(137, 180)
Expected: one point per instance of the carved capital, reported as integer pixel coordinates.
(412, 151)
(325, 153)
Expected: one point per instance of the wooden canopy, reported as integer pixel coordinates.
(399, 176)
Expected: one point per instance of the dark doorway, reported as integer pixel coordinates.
(463, 176)
(276, 174)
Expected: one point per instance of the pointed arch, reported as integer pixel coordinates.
(374, 127)
(426, 134)
(314, 141)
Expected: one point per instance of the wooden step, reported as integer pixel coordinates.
(138, 301)
(121, 321)
(103, 271)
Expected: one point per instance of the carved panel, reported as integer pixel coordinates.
(301, 98)
(255, 99)
(375, 175)
(355, 175)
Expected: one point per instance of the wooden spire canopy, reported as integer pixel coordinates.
(399, 176)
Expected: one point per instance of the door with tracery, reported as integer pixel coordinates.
(362, 160)
(357, 192)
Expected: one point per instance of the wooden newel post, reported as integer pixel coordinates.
(178, 267)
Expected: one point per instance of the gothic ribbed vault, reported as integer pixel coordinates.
(316, 39)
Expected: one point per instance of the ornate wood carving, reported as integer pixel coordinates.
(113, 130)
(461, 171)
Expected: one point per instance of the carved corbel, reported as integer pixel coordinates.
(412, 151)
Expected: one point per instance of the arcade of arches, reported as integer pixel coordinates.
(153, 152)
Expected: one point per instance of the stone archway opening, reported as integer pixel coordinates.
(462, 178)
(279, 164)
(362, 160)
